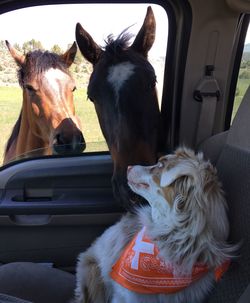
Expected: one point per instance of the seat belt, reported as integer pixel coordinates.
(208, 91)
(245, 297)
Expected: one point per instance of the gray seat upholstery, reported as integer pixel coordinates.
(36, 283)
(232, 160)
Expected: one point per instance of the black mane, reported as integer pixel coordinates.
(37, 62)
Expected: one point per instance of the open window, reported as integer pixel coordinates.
(65, 183)
(57, 35)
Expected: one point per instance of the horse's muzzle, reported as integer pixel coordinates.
(124, 195)
(69, 144)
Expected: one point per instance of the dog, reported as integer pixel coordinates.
(172, 250)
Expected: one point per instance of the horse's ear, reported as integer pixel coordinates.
(69, 56)
(89, 49)
(146, 36)
(18, 56)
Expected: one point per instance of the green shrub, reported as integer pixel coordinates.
(244, 74)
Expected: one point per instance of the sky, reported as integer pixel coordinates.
(55, 24)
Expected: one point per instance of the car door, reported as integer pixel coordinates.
(53, 208)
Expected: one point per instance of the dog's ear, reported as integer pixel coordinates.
(169, 176)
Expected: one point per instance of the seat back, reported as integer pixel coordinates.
(233, 165)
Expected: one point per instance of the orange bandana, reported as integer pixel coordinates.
(140, 269)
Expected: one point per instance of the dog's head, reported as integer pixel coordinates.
(186, 198)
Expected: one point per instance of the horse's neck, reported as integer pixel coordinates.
(29, 140)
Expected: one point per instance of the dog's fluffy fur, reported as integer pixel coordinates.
(186, 218)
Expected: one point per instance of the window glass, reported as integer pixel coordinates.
(244, 75)
(52, 28)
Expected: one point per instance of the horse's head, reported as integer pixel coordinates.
(122, 87)
(48, 99)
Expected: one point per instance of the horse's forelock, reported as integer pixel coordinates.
(37, 62)
(120, 43)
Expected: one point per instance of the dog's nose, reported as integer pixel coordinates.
(129, 168)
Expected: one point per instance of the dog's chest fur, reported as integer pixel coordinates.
(108, 248)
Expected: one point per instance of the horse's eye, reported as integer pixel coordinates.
(30, 88)
(74, 89)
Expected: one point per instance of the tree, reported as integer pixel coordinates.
(56, 49)
(243, 64)
(18, 47)
(78, 58)
(31, 45)
(244, 75)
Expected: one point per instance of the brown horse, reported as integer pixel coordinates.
(122, 87)
(47, 123)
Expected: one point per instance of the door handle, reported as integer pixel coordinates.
(35, 195)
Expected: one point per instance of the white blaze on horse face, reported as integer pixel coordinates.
(54, 76)
(56, 81)
(118, 74)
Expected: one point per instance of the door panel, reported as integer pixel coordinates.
(52, 209)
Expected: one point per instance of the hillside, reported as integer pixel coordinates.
(247, 48)
(81, 69)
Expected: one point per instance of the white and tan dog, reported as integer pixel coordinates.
(172, 250)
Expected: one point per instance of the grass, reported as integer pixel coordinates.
(10, 105)
(11, 102)
(242, 86)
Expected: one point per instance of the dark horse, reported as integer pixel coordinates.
(122, 87)
(47, 123)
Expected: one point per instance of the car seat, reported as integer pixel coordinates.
(36, 283)
(230, 152)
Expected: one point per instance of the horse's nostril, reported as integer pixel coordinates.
(81, 139)
(69, 144)
(80, 142)
(59, 139)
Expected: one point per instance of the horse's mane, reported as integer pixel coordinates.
(37, 62)
(14, 133)
(118, 44)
